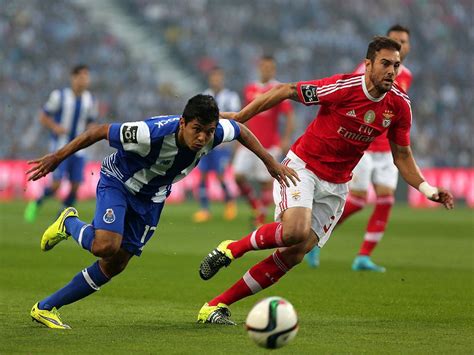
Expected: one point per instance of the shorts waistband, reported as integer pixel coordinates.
(292, 156)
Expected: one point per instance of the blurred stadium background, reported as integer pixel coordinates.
(148, 57)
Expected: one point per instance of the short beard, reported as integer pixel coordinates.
(379, 86)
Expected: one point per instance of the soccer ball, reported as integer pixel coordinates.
(272, 323)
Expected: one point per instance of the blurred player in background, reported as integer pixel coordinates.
(376, 167)
(134, 184)
(355, 109)
(266, 129)
(218, 159)
(66, 114)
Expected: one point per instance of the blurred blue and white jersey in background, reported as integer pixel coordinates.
(71, 112)
(227, 100)
(148, 159)
(217, 160)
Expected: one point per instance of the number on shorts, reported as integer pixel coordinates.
(147, 229)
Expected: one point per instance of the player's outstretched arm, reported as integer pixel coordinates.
(263, 102)
(43, 166)
(279, 172)
(406, 164)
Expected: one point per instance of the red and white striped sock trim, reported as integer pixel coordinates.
(279, 262)
(253, 240)
(373, 236)
(279, 235)
(357, 201)
(385, 200)
(251, 283)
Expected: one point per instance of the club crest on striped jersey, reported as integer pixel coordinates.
(109, 216)
(369, 116)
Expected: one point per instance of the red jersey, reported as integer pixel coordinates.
(403, 80)
(265, 124)
(348, 121)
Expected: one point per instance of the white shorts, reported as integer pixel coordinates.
(375, 168)
(325, 199)
(249, 165)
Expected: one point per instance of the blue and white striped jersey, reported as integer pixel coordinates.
(148, 160)
(71, 112)
(227, 100)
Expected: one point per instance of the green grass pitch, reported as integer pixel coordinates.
(422, 305)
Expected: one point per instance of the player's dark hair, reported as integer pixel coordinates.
(216, 68)
(380, 42)
(78, 68)
(398, 28)
(268, 57)
(203, 108)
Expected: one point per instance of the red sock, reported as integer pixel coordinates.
(247, 191)
(377, 223)
(267, 236)
(353, 205)
(260, 276)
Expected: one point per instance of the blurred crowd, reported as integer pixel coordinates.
(318, 38)
(41, 40)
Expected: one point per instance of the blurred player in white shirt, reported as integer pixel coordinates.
(218, 159)
(265, 127)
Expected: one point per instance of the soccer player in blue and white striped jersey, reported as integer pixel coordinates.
(66, 114)
(134, 183)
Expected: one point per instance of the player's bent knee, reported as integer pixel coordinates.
(295, 234)
(295, 254)
(362, 194)
(106, 243)
(113, 266)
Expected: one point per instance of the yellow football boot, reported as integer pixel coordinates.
(219, 314)
(56, 232)
(202, 216)
(230, 211)
(215, 260)
(50, 318)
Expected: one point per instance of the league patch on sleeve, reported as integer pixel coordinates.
(309, 93)
(129, 134)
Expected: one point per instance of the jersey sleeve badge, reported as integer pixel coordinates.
(309, 93)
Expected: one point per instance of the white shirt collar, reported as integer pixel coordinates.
(366, 92)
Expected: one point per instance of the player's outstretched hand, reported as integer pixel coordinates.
(282, 173)
(228, 115)
(444, 197)
(43, 166)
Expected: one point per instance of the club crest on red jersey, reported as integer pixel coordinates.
(388, 114)
(369, 116)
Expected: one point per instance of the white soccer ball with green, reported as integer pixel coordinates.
(272, 323)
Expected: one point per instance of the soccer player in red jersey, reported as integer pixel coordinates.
(266, 128)
(355, 109)
(376, 167)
